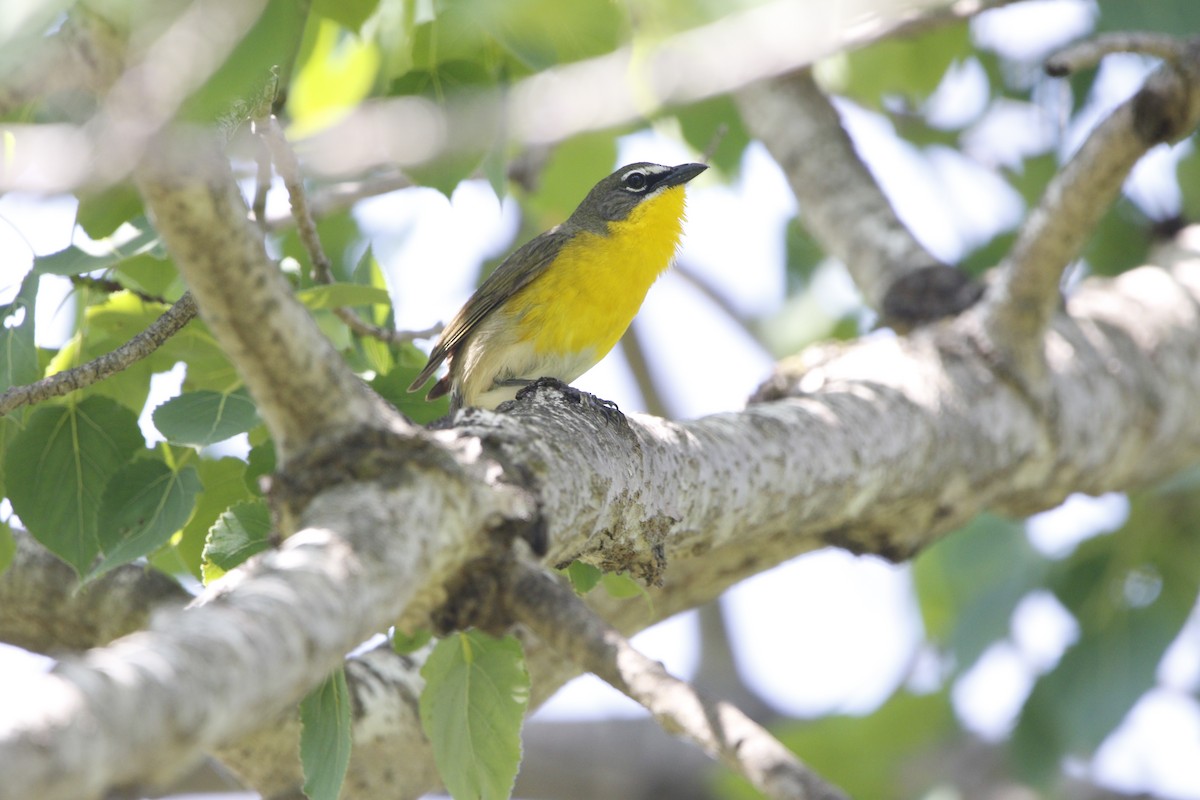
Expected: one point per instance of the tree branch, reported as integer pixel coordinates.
(1025, 296)
(306, 228)
(553, 611)
(885, 444)
(101, 367)
(302, 386)
(840, 202)
(43, 608)
(725, 55)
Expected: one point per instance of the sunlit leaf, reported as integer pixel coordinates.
(339, 295)
(583, 577)
(224, 485)
(240, 532)
(472, 708)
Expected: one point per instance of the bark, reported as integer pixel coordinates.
(881, 445)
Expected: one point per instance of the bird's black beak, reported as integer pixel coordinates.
(677, 176)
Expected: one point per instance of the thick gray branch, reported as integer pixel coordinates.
(840, 202)
(42, 607)
(552, 611)
(1026, 295)
(880, 445)
(302, 386)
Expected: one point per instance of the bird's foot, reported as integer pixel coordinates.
(607, 408)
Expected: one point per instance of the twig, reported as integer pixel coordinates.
(262, 180)
(1087, 54)
(288, 167)
(555, 613)
(112, 287)
(840, 201)
(1026, 293)
(99, 368)
(635, 354)
(335, 197)
(301, 384)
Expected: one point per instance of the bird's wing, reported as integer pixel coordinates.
(516, 272)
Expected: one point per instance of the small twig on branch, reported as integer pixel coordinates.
(262, 180)
(1087, 54)
(335, 197)
(112, 287)
(553, 611)
(840, 202)
(103, 366)
(288, 167)
(1026, 293)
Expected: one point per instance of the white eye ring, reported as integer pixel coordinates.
(634, 181)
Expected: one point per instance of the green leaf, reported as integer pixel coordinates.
(150, 275)
(74, 261)
(542, 33)
(584, 577)
(224, 485)
(58, 467)
(325, 737)
(1131, 593)
(716, 120)
(910, 67)
(405, 643)
(261, 462)
(803, 254)
(905, 730)
(145, 503)
(474, 702)
(1187, 174)
(1121, 241)
(350, 14)
(102, 213)
(1163, 16)
(269, 46)
(341, 295)
(18, 350)
(393, 387)
(8, 547)
(239, 533)
(569, 173)
(622, 586)
(970, 583)
(201, 418)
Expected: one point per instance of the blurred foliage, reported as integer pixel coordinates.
(100, 497)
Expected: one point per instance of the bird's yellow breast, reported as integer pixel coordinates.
(586, 299)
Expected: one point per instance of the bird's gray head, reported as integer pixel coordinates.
(614, 197)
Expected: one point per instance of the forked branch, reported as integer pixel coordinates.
(1026, 294)
(553, 611)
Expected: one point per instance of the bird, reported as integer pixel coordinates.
(560, 302)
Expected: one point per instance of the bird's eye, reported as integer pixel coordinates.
(635, 181)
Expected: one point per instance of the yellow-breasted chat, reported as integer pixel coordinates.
(559, 303)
